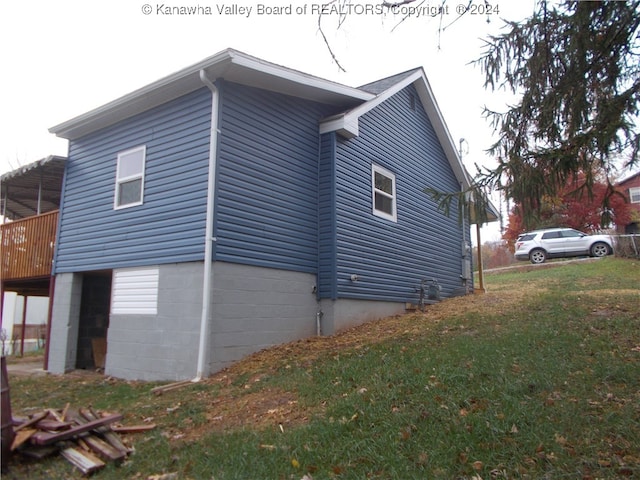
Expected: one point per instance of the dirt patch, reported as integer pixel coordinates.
(268, 407)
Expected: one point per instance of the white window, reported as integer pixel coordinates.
(130, 178)
(383, 185)
(134, 291)
(634, 194)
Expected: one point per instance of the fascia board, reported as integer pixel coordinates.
(140, 100)
(346, 126)
(229, 64)
(430, 106)
(373, 103)
(294, 77)
(448, 145)
(348, 122)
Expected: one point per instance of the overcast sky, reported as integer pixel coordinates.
(61, 59)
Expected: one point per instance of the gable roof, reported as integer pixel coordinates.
(229, 64)
(244, 69)
(346, 123)
(381, 85)
(629, 179)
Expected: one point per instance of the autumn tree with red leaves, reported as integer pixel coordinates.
(574, 207)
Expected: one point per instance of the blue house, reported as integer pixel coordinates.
(238, 204)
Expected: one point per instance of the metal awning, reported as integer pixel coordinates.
(33, 189)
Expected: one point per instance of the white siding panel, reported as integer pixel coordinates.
(135, 291)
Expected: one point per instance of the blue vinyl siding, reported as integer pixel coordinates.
(169, 226)
(390, 258)
(266, 202)
(327, 218)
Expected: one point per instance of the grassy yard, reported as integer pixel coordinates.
(538, 378)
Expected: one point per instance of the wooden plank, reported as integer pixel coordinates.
(44, 438)
(35, 419)
(55, 414)
(21, 437)
(83, 461)
(99, 348)
(82, 444)
(171, 386)
(103, 449)
(105, 432)
(63, 416)
(53, 425)
(133, 428)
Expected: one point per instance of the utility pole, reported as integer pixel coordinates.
(480, 288)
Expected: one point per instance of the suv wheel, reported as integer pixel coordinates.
(599, 249)
(538, 256)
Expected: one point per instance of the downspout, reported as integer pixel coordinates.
(209, 238)
(39, 207)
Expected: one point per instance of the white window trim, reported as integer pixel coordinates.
(379, 213)
(634, 191)
(140, 176)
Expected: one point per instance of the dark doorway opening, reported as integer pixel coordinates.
(94, 320)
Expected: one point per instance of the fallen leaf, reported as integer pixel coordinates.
(560, 440)
(295, 463)
(477, 465)
(164, 476)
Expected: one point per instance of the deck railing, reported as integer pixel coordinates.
(27, 246)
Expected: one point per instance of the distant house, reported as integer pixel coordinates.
(238, 204)
(630, 188)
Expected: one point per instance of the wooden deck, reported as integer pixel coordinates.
(27, 247)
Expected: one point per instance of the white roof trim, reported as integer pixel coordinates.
(346, 124)
(229, 64)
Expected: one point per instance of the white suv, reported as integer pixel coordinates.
(539, 245)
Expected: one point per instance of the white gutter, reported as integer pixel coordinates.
(209, 238)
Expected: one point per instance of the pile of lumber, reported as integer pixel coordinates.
(85, 438)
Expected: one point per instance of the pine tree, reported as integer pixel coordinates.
(576, 66)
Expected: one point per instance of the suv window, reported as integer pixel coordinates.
(527, 237)
(572, 233)
(550, 235)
